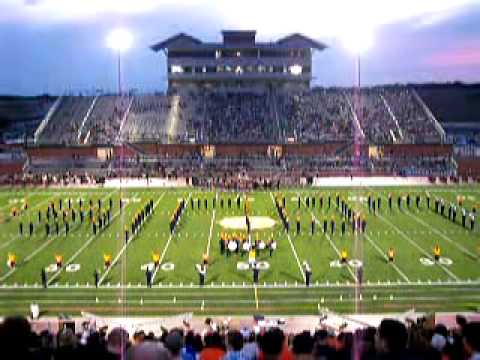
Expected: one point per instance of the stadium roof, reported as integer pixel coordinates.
(236, 39)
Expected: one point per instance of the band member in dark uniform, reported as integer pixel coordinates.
(202, 273)
(308, 273)
(44, 278)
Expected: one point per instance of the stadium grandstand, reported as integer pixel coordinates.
(226, 218)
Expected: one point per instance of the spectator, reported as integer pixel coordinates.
(214, 348)
(471, 340)
(235, 346)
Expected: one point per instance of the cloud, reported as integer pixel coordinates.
(316, 18)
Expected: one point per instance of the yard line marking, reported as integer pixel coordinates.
(375, 246)
(162, 256)
(460, 247)
(6, 290)
(330, 241)
(83, 247)
(291, 245)
(211, 227)
(414, 243)
(43, 246)
(124, 247)
(417, 246)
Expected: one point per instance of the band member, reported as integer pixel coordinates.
(325, 225)
(272, 246)
(472, 222)
(156, 259)
(96, 277)
(44, 278)
(67, 228)
(464, 217)
(205, 259)
(30, 227)
(126, 234)
(205, 202)
(363, 224)
(308, 273)
(59, 261)
(57, 228)
(107, 260)
(417, 201)
(391, 254)
(298, 224)
(47, 229)
(192, 204)
(428, 201)
(11, 260)
(229, 201)
(222, 243)
(256, 273)
(408, 201)
(436, 252)
(332, 225)
(148, 277)
(343, 256)
(202, 273)
(94, 227)
(399, 202)
(252, 256)
(238, 201)
(312, 225)
(20, 228)
(379, 203)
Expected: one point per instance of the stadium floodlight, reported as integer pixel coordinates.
(358, 41)
(119, 40)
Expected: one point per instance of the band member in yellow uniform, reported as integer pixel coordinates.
(437, 252)
(252, 255)
(343, 256)
(59, 261)
(156, 259)
(391, 254)
(107, 260)
(205, 259)
(11, 260)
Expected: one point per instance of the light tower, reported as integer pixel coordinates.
(119, 40)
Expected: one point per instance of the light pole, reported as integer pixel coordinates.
(119, 40)
(358, 42)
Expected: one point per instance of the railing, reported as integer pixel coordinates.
(430, 115)
(85, 118)
(47, 118)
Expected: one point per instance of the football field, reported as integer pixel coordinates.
(413, 280)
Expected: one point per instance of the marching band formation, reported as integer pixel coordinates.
(243, 243)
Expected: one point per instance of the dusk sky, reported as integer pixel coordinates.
(57, 46)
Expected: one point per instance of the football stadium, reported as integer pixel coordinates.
(243, 212)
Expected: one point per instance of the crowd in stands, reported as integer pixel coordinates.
(105, 121)
(147, 119)
(321, 115)
(240, 117)
(377, 124)
(382, 114)
(412, 118)
(420, 339)
(63, 127)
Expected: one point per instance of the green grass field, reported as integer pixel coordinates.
(449, 285)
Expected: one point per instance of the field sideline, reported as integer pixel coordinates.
(451, 284)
